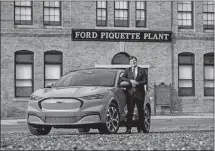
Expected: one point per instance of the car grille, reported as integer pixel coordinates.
(58, 120)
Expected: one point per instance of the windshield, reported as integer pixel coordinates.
(90, 77)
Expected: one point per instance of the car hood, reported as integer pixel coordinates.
(70, 91)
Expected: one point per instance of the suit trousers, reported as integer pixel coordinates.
(131, 101)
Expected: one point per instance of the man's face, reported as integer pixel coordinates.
(133, 62)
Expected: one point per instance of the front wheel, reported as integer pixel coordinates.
(147, 120)
(39, 130)
(111, 124)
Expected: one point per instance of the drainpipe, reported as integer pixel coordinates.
(172, 53)
(0, 53)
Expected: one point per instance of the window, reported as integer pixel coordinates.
(52, 66)
(52, 13)
(121, 58)
(140, 14)
(121, 14)
(209, 74)
(185, 15)
(23, 13)
(23, 73)
(101, 13)
(186, 74)
(208, 15)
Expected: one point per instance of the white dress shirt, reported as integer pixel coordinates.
(136, 71)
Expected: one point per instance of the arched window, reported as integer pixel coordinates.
(209, 74)
(121, 58)
(24, 81)
(52, 66)
(186, 78)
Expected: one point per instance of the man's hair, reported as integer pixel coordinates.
(132, 57)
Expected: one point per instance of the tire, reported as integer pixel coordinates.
(147, 120)
(84, 130)
(112, 122)
(39, 130)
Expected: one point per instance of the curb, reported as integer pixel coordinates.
(14, 122)
(24, 121)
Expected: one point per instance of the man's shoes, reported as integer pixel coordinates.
(128, 131)
(139, 130)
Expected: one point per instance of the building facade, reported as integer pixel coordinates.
(38, 45)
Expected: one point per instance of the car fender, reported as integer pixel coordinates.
(107, 104)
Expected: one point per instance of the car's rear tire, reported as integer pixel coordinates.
(84, 130)
(147, 120)
(112, 122)
(39, 130)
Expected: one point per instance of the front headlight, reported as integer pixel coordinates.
(35, 98)
(94, 97)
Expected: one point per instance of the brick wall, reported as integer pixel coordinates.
(199, 42)
(38, 39)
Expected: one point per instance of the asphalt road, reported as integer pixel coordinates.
(155, 124)
(176, 134)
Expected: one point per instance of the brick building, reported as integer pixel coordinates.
(38, 46)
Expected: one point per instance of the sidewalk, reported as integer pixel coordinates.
(153, 117)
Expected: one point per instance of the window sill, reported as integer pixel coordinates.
(21, 99)
(188, 97)
(208, 30)
(52, 27)
(186, 30)
(122, 28)
(25, 26)
(208, 97)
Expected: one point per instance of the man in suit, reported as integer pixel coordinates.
(136, 93)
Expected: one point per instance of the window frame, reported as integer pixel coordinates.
(204, 65)
(145, 3)
(24, 52)
(106, 10)
(192, 15)
(60, 15)
(128, 17)
(207, 26)
(52, 52)
(31, 21)
(193, 73)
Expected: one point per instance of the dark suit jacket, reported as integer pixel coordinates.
(141, 78)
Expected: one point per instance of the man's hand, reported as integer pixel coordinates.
(134, 83)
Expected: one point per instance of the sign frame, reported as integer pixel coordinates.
(120, 35)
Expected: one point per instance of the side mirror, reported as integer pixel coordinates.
(49, 85)
(124, 84)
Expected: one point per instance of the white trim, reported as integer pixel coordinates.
(20, 99)
(119, 66)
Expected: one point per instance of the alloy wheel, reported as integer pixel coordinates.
(112, 121)
(147, 120)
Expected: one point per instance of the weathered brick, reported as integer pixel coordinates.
(82, 54)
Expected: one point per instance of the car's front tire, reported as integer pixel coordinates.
(147, 120)
(112, 122)
(84, 130)
(39, 130)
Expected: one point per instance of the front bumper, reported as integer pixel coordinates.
(90, 112)
(68, 120)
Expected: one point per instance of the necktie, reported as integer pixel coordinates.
(133, 88)
(133, 70)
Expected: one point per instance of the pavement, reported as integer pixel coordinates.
(153, 117)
